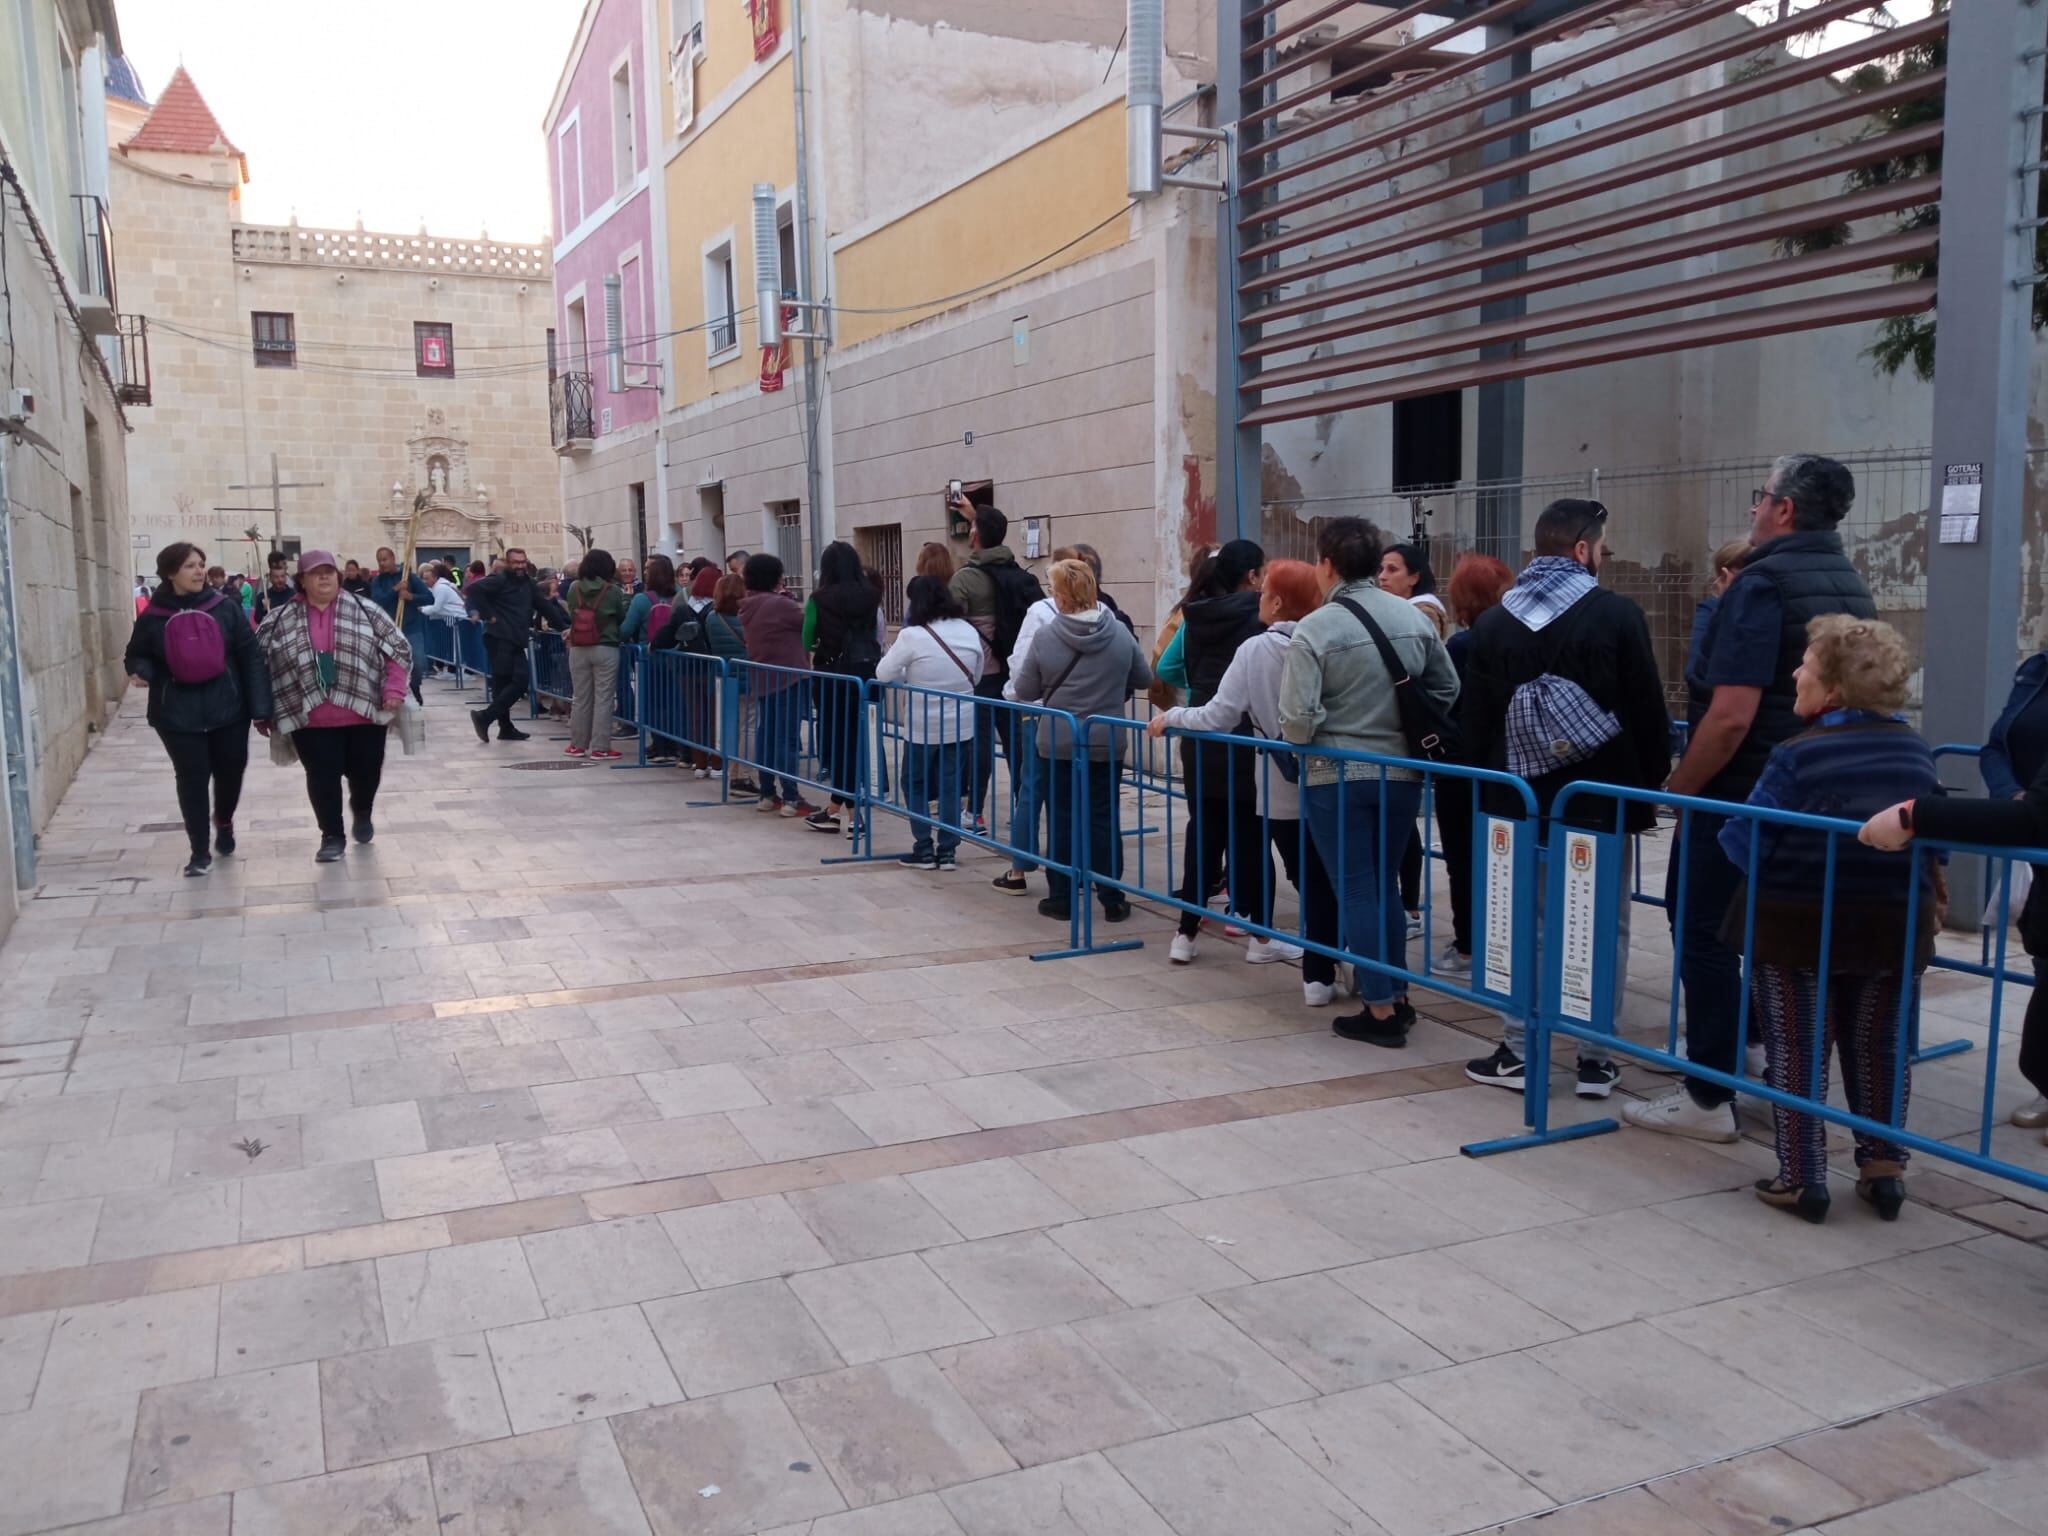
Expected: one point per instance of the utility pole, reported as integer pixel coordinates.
(814, 467)
(1981, 359)
(277, 488)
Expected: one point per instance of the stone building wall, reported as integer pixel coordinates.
(66, 596)
(353, 413)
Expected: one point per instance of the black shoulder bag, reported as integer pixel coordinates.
(1432, 735)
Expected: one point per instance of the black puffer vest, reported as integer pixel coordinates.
(1813, 577)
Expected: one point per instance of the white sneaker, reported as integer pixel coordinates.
(1319, 994)
(1758, 1061)
(1451, 963)
(1183, 950)
(1676, 1114)
(2031, 1115)
(1271, 951)
(1414, 925)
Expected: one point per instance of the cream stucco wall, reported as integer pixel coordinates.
(353, 412)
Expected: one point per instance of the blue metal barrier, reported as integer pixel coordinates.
(547, 659)
(921, 768)
(1503, 861)
(690, 702)
(1575, 999)
(810, 733)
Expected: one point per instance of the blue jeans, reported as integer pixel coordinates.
(1030, 798)
(1345, 821)
(1105, 847)
(777, 717)
(933, 770)
(1709, 970)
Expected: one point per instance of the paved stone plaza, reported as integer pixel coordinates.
(577, 1163)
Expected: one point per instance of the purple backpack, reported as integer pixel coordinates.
(194, 646)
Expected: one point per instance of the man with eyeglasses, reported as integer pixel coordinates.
(1741, 707)
(1561, 683)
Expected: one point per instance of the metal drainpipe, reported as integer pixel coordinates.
(13, 697)
(814, 470)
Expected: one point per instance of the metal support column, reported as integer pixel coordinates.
(1239, 479)
(1499, 516)
(1983, 349)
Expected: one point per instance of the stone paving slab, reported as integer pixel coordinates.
(568, 1179)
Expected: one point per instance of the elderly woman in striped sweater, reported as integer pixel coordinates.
(1856, 755)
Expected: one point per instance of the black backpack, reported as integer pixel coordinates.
(684, 631)
(1016, 589)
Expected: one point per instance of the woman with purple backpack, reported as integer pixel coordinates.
(194, 652)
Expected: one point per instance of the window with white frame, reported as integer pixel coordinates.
(685, 49)
(721, 308)
(686, 27)
(622, 127)
(569, 173)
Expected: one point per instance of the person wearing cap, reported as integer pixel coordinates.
(338, 673)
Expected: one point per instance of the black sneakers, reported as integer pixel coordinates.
(1597, 1079)
(1389, 1034)
(482, 722)
(513, 733)
(363, 830)
(1503, 1069)
(921, 861)
(224, 837)
(198, 866)
(1011, 883)
(331, 850)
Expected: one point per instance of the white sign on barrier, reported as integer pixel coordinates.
(1575, 927)
(1498, 975)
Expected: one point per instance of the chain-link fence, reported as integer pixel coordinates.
(1666, 522)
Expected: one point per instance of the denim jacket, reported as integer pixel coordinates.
(1335, 691)
(2001, 781)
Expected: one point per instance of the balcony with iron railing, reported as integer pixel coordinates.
(99, 303)
(569, 412)
(131, 378)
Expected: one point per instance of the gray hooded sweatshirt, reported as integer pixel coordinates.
(1085, 664)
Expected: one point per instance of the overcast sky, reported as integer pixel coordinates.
(404, 110)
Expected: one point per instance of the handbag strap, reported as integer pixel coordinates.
(1065, 672)
(1388, 658)
(954, 656)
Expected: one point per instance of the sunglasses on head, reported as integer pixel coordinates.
(1596, 520)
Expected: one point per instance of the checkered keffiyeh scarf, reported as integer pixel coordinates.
(365, 641)
(1546, 590)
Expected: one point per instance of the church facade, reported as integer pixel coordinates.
(320, 388)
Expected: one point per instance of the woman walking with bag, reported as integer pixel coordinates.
(338, 674)
(193, 650)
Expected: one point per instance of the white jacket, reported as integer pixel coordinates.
(933, 659)
(448, 607)
(1250, 685)
(1036, 617)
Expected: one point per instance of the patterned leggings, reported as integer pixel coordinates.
(1863, 1024)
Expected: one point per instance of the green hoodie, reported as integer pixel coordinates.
(611, 601)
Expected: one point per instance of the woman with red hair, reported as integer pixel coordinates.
(1477, 582)
(1250, 687)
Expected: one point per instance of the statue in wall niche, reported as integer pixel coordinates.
(437, 477)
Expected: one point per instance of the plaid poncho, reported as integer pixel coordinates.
(365, 642)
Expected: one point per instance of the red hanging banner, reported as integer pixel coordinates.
(767, 26)
(775, 359)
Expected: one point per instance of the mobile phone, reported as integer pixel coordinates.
(952, 493)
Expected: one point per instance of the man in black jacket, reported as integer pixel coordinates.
(1741, 708)
(280, 590)
(1557, 624)
(506, 602)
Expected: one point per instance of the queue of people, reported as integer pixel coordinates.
(1795, 696)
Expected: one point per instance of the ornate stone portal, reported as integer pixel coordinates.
(456, 511)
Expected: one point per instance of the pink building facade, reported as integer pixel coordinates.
(601, 138)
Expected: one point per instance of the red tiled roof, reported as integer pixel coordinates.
(183, 123)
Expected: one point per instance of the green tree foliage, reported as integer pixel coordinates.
(1908, 340)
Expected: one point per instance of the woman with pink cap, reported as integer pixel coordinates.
(338, 674)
